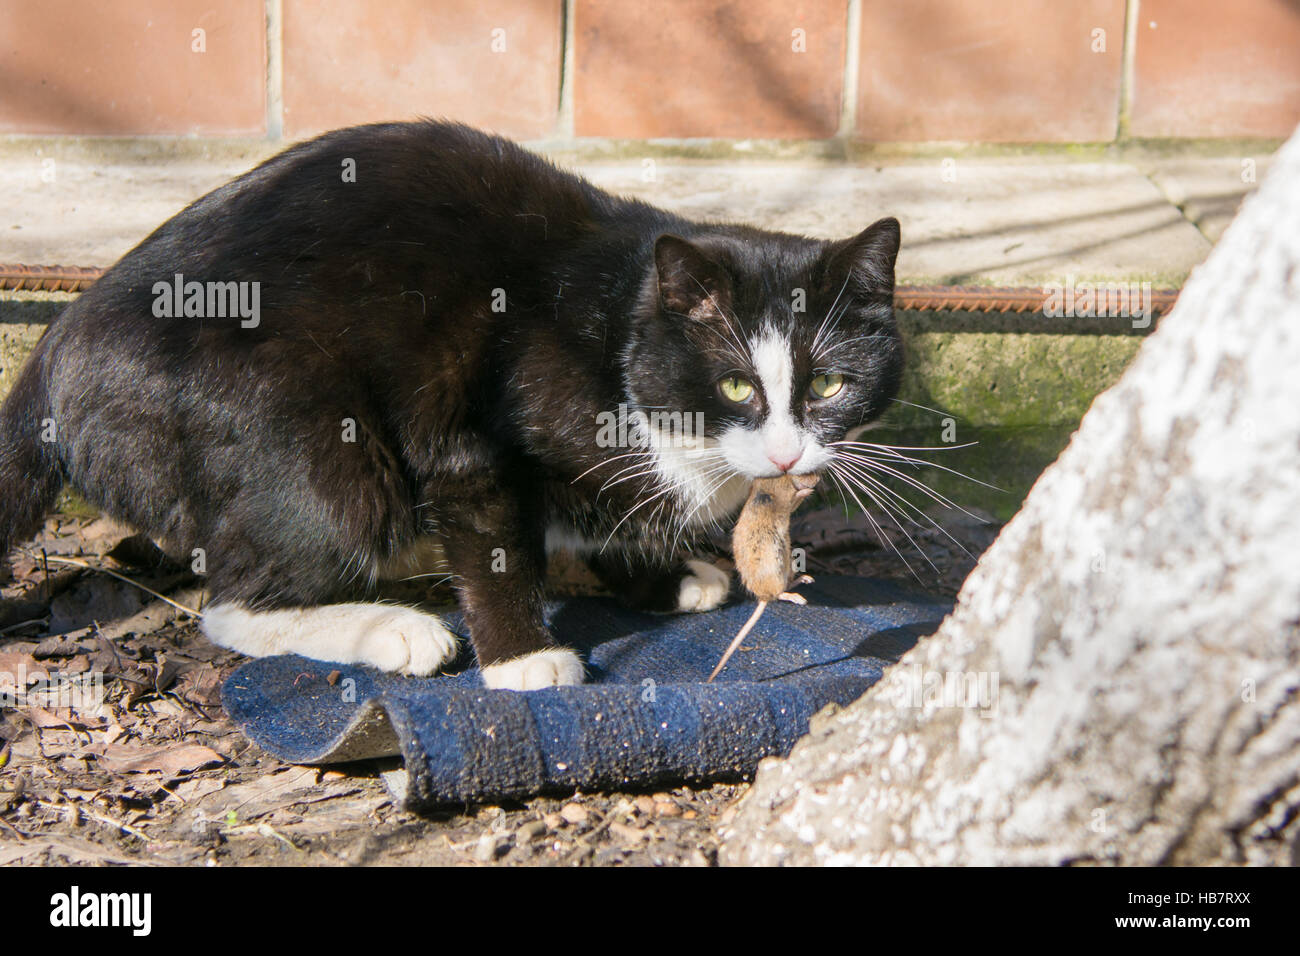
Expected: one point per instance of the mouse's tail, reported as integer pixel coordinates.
(30, 474)
(735, 641)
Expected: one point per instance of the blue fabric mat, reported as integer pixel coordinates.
(645, 718)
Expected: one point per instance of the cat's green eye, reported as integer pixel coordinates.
(825, 386)
(736, 389)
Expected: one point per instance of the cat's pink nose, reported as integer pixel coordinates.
(783, 465)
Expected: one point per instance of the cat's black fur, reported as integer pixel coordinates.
(473, 425)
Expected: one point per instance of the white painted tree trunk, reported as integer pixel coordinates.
(1140, 616)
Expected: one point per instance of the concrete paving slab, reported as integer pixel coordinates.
(973, 222)
(1209, 189)
(79, 212)
(1006, 222)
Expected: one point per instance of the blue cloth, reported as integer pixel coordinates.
(645, 718)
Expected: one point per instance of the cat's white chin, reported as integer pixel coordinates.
(552, 667)
(745, 452)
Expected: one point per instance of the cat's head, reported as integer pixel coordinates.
(778, 345)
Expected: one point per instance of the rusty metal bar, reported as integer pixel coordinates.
(921, 298)
(48, 278)
(957, 298)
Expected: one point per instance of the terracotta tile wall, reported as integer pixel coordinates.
(134, 68)
(1209, 68)
(491, 63)
(877, 70)
(990, 70)
(687, 68)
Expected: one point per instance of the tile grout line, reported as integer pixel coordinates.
(852, 62)
(1128, 61)
(564, 116)
(274, 69)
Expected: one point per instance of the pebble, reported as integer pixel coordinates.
(531, 831)
(645, 804)
(489, 846)
(574, 813)
(664, 808)
(553, 821)
(628, 834)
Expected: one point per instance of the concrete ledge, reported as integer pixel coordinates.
(1012, 217)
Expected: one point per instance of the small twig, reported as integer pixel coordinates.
(165, 789)
(124, 827)
(261, 829)
(17, 832)
(122, 577)
(76, 808)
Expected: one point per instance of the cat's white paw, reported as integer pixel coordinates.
(553, 667)
(407, 642)
(397, 639)
(705, 588)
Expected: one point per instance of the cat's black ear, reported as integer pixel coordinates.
(867, 260)
(690, 282)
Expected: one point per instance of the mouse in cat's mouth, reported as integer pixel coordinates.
(760, 546)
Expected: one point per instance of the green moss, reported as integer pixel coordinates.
(1014, 398)
(999, 379)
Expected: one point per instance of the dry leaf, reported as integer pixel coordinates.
(169, 761)
(152, 618)
(61, 718)
(197, 788)
(284, 788)
(12, 663)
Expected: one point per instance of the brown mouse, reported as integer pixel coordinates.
(760, 546)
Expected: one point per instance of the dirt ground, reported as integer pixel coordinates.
(115, 749)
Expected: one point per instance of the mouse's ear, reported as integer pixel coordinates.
(691, 283)
(866, 261)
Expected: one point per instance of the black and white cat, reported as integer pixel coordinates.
(409, 333)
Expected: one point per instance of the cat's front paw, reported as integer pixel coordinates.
(401, 640)
(704, 588)
(553, 667)
(408, 642)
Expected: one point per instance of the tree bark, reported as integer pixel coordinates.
(1139, 620)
